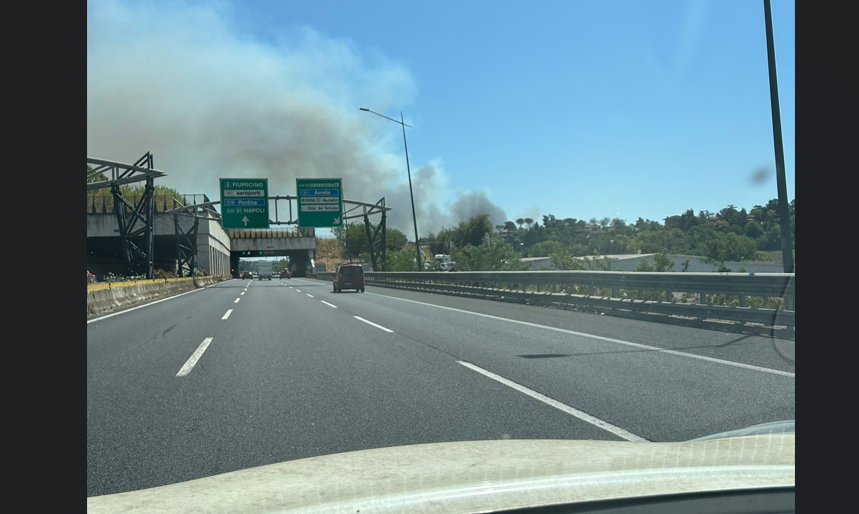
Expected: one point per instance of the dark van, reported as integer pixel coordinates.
(349, 276)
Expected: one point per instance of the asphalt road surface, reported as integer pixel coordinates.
(246, 373)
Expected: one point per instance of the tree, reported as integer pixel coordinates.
(546, 248)
(771, 239)
(731, 215)
(564, 260)
(729, 238)
(688, 220)
(739, 248)
(717, 264)
(472, 231)
(495, 256)
(401, 260)
(356, 241)
(394, 239)
(753, 229)
(662, 263)
(651, 241)
(729, 247)
(643, 266)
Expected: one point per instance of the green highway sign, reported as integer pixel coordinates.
(244, 202)
(320, 202)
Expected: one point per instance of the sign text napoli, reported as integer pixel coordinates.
(244, 203)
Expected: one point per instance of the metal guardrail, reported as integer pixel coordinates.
(511, 286)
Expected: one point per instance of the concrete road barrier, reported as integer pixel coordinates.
(103, 298)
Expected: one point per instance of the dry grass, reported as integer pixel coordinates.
(328, 251)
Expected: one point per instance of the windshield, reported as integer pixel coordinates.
(562, 221)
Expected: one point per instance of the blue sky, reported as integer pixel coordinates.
(577, 109)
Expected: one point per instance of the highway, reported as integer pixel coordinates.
(246, 373)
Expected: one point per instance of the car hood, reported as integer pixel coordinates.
(479, 476)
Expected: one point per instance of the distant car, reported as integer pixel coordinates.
(285, 274)
(349, 276)
(246, 275)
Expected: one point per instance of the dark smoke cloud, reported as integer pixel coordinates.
(209, 101)
(470, 204)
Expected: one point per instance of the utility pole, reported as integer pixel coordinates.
(783, 209)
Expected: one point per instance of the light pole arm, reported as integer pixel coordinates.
(387, 118)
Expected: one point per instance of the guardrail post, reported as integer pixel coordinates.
(742, 300)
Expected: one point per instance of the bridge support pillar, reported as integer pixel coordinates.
(234, 264)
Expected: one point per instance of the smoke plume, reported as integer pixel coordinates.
(211, 100)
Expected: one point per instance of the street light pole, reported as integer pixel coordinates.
(784, 214)
(409, 172)
(411, 194)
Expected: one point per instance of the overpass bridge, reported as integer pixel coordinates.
(299, 244)
(218, 250)
(144, 232)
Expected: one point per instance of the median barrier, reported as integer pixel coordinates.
(103, 298)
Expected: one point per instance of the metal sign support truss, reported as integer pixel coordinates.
(376, 234)
(186, 245)
(135, 222)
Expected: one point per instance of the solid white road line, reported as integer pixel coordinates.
(227, 315)
(192, 360)
(584, 416)
(609, 339)
(359, 318)
(328, 304)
